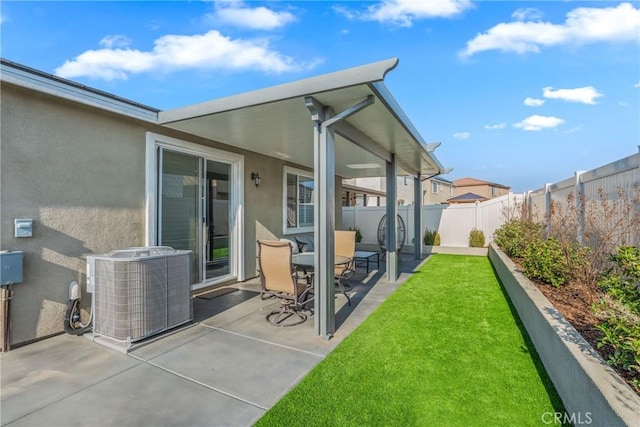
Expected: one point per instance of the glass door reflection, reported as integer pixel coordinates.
(218, 250)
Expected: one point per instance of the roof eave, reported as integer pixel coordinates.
(364, 74)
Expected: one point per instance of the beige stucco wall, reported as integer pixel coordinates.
(79, 173)
(80, 176)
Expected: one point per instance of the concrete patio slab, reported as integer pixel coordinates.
(40, 374)
(145, 396)
(251, 370)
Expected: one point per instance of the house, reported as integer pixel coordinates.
(438, 190)
(478, 187)
(352, 195)
(435, 190)
(97, 172)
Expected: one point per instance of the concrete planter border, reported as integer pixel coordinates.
(592, 392)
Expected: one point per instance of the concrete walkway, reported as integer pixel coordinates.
(226, 369)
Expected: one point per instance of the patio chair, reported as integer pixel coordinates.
(345, 245)
(279, 279)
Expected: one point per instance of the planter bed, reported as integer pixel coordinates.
(592, 392)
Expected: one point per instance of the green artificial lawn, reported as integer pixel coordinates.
(444, 349)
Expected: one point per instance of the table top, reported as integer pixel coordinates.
(364, 254)
(306, 259)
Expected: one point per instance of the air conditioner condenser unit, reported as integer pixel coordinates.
(139, 292)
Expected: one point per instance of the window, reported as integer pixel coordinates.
(493, 190)
(435, 187)
(298, 203)
(451, 191)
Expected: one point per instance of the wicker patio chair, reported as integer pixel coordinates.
(279, 279)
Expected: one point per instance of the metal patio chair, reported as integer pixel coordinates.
(279, 279)
(345, 245)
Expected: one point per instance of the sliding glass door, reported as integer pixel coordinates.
(194, 212)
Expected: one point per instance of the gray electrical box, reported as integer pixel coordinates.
(23, 227)
(10, 267)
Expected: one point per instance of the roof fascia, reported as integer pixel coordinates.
(28, 78)
(394, 108)
(363, 74)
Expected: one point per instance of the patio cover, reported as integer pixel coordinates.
(345, 123)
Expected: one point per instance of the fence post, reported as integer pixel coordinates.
(579, 194)
(547, 202)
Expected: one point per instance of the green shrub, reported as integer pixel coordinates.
(358, 234)
(622, 280)
(515, 235)
(476, 238)
(553, 262)
(621, 329)
(432, 238)
(623, 336)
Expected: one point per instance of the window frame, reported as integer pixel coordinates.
(436, 185)
(286, 230)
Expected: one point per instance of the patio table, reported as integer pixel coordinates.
(306, 259)
(365, 256)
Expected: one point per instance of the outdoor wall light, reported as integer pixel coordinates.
(256, 178)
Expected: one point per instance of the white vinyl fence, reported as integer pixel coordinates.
(606, 182)
(453, 222)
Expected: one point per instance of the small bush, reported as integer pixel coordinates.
(476, 238)
(622, 280)
(621, 327)
(552, 262)
(358, 234)
(515, 235)
(623, 337)
(432, 238)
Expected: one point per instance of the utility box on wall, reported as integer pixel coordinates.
(23, 227)
(10, 267)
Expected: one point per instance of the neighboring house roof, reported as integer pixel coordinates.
(367, 191)
(470, 182)
(445, 181)
(467, 198)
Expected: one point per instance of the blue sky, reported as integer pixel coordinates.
(519, 93)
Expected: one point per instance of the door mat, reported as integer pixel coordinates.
(217, 293)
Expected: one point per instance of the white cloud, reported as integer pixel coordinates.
(529, 13)
(583, 25)
(404, 12)
(495, 127)
(170, 53)
(255, 18)
(535, 123)
(116, 40)
(461, 135)
(533, 102)
(637, 84)
(584, 95)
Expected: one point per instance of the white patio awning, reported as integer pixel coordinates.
(276, 122)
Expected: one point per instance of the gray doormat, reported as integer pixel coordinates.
(217, 293)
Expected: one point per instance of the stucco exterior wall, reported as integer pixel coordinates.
(80, 176)
(79, 173)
